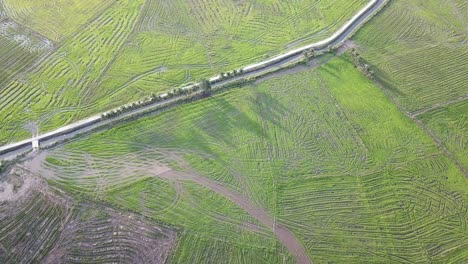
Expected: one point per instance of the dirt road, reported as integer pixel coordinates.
(283, 234)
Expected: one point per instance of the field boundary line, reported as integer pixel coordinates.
(439, 143)
(439, 105)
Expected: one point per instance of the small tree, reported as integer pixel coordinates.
(205, 86)
(308, 54)
(356, 57)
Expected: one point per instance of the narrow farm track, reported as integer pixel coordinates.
(439, 105)
(283, 234)
(15, 149)
(149, 167)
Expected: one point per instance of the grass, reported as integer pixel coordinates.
(197, 249)
(134, 48)
(54, 19)
(450, 125)
(51, 95)
(419, 50)
(14, 58)
(206, 38)
(21, 48)
(325, 152)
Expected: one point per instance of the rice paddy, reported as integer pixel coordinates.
(323, 153)
(20, 49)
(419, 50)
(50, 95)
(322, 164)
(131, 49)
(450, 125)
(54, 19)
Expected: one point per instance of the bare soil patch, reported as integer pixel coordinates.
(108, 235)
(53, 228)
(18, 183)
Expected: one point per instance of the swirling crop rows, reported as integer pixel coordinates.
(420, 50)
(54, 19)
(57, 90)
(134, 48)
(450, 124)
(208, 37)
(324, 152)
(27, 234)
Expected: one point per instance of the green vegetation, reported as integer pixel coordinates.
(419, 50)
(13, 59)
(324, 152)
(204, 39)
(135, 48)
(53, 94)
(450, 124)
(317, 160)
(205, 87)
(20, 49)
(209, 219)
(198, 249)
(55, 19)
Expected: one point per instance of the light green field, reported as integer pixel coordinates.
(176, 42)
(54, 19)
(323, 151)
(419, 50)
(13, 59)
(450, 124)
(54, 92)
(20, 48)
(135, 48)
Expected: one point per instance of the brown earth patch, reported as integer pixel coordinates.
(42, 224)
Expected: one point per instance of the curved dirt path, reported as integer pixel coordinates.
(35, 166)
(283, 234)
